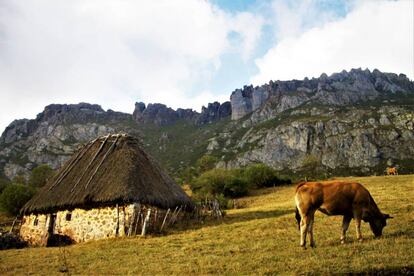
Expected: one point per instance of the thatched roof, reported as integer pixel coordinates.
(111, 169)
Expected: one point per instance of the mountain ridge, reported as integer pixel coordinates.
(298, 110)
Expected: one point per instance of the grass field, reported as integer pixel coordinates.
(260, 238)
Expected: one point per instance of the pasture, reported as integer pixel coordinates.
(259, 238)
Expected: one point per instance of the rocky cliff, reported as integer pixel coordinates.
(355, 122)
(345, 88)
(351, 140)
(161, 115)
(54, 135)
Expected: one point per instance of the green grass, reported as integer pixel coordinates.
(260, 238)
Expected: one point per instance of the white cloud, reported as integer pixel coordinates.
(113, 52)
(291, 18)
(249, 27)
(375, 34)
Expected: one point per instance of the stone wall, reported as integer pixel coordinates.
(93, 224)
(79, 224)
(98, 223)
(35, 232)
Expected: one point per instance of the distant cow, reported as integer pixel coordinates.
(392, 171)
(351, 200)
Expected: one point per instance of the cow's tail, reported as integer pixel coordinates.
(298, 217)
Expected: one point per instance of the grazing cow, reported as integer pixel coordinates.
(350, 200)
(392, 171)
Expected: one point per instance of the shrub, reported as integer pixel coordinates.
(14, 196)
(3, 184)
(218, 181)
(261, 175)
(187, 175)
(236, 187)
(40, 175)
(312, 167)
(205, 163)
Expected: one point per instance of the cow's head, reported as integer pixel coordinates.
(378, 223)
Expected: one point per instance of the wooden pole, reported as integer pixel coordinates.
(11, 228)
(174, 218)
(137, 220)
(80, 154)
(100, 163)
(146, 223)
(131, 224)
(155, 216)
(165, 219)
(90, 163)
(173, 214)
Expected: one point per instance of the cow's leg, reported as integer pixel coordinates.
(303, 231)
(345, 224)
(310, 228)
(304, 224)
(358, 228)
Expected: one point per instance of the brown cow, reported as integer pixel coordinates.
(351, 200)
(392, 171)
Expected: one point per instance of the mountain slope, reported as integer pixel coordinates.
(347, 123)
(54, 135)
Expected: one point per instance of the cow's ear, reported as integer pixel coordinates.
(386, 216)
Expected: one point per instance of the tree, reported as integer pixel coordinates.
(40, 175)
(219, 182)
(14, 196)
(205, 163)
(261, 175)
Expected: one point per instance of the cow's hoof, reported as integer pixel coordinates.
(360, 240)
(303, 247)
(313, 245)
(342, 241)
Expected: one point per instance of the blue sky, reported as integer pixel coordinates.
(226, 78)
(186, 53)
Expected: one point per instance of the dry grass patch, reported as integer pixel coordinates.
(261, 238)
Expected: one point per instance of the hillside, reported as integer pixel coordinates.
(356, 122)
(260, 238)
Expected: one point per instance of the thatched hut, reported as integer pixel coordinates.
(110, 187)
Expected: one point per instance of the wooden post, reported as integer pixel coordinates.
(175, 215)
(165, 219)
(131, 224)
(11, 228)
(137, 220)
(146, 223)
(155, 217)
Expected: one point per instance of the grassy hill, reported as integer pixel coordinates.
(259, 238)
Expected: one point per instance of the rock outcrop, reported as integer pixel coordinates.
(158, 114)
(213, 112)
(355, 141)
(54, 135)
(342, 88)
(161, 115)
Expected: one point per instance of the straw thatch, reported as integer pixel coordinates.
(109, 170)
